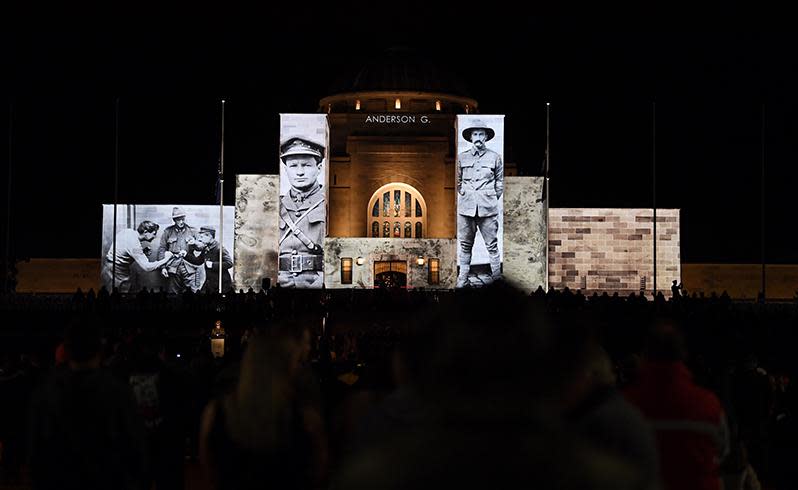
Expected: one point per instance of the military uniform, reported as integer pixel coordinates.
(480, 184)
(303, 219)
(175, 240)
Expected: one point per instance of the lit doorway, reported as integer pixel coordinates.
(389, 274)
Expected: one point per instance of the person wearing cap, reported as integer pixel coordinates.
(129, 250)
(175, 239)
(207, 236)
(303, 215)
(480, 184)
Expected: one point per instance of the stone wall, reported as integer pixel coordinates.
(611, 249)
(421, 162)
(256, 230)
(524, 233)
(741, 281)
(376, 249)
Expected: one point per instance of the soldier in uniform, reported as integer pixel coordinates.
(207, 235)
(303, 216)
(480, 184)
(176, 239)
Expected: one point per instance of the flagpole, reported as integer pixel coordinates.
(654, 185)
(762, 206)
(546, 191)
(116, 189)
(221, 203)
(7, 271)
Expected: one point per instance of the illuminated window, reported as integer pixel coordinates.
(397, 104)
(357, 104)
(397, 203)
(401, 202)
(434, 271)
(437, 105)
(346, 270)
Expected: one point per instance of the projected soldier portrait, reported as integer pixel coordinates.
(480, 186)
(303, 214)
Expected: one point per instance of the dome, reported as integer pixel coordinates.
(401, 69)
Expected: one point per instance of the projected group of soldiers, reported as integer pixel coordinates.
(186, 259)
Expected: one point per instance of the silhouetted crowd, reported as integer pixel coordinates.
(397, 389)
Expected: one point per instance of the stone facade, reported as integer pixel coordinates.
(389, 249)
(256, 230)
(371, 162)
(524, 233)
(612, 249)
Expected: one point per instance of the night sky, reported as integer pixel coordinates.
(601, 74)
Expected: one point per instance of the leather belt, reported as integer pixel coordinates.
(301, 263)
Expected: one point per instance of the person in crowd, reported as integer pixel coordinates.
(477, 411)
(688, 420)
(598, 411)
(84, 430)
(267, 430)
(161, 400)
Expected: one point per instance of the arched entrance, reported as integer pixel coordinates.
(390, 274)
(397, 210)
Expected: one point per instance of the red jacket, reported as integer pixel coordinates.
(688, 421)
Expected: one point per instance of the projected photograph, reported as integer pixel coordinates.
(303, 205)
(170, 248)
(480, 187)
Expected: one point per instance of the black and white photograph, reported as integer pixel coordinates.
(168, 248)
(480, 188)
(303, 203)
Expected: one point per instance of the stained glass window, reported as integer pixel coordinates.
(397, 202)
(402, 210)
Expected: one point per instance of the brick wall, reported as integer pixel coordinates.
(611, 249)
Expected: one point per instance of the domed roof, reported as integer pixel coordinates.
(401, 69)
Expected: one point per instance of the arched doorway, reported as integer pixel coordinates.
(390, 274)
(397, 210)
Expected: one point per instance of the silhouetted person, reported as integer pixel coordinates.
(267, 432)
(688, 420)
(676, 290)
(477, 416)
(598, 411)
(84, 432)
